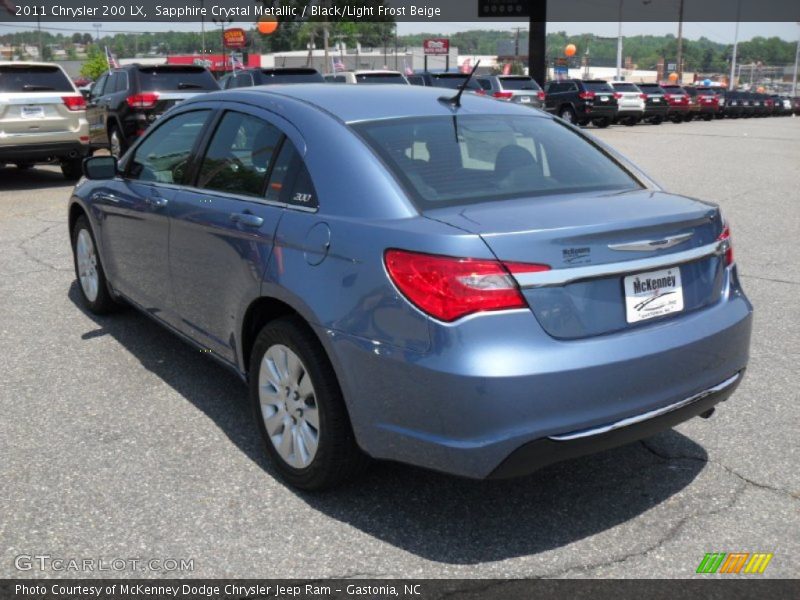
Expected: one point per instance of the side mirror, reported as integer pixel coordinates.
(100, 167)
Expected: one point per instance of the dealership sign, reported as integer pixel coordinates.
(235, 38)
(436, 46)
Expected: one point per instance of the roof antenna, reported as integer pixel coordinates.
(456, 100)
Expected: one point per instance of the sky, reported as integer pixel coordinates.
(718, 32)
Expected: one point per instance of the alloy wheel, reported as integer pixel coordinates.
(87, 265)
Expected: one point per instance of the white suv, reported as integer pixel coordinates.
(42, 117)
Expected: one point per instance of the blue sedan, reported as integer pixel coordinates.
(472, 287)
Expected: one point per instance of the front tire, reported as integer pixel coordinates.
(567, 114)
(89, 272)
(116, 142)
(299, 408)
(72, 168)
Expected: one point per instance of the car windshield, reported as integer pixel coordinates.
(519, 83)
(31, 78)
(449, 161)
(454, 81)
(291, 76)
(152, 79)
(380, 78)
(597, 86)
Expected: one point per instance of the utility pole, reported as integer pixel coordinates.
(97, 27)
(203, 27)
(39, 27)
(537, 42)
(619, 44)
(735, 45)
(796, 60)
(680, 44)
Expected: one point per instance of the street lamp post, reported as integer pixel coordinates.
(796, 60)
(222, 23)
(680, 44)
(735, 46)
(619, 44)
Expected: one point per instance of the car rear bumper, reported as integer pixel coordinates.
(495, 383)
(42, 152)
(542, 452)
(656, 111)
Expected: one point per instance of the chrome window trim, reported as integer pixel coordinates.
(565, 437)
(563, 276)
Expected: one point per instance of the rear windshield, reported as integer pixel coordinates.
(33, 79)
(450, 161)
(519, 83)
(598, 86)
(380, 78)
(176, 79)
(292, 76)
(454, 81)
(625, 87)
(651, 88)
(673, 89)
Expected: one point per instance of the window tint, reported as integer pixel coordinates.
(239, 155)
(30, 78)
(380, 78)
(485, 84)
(415, 79)
(453, 81)
(625, 87)
(244, 80)
(122, 82)
(154, 79)
(519, 83)
(598, 86)
(164, 155)
(113, 81)
(445, 161)
(99, 86)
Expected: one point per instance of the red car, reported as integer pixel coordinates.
(679, 103)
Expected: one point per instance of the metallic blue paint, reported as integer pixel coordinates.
(456, 397)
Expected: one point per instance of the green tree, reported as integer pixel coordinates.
(95, 65)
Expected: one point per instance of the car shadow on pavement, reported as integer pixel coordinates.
(13, 179)
(438, 517)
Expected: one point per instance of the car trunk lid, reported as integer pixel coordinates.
(596, 245)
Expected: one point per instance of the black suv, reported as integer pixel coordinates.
(656, 107)
(125, 101)
(581, 102)
(251, 77)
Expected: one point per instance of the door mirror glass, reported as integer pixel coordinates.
(100, 167)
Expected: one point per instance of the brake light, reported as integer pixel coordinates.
(448, 288)
(643, 96)
(541, 95)
(503, 95)
(617, 95)
(725, 237)
(586, 95)
(480, 92)
(74, 103)
(147, 100)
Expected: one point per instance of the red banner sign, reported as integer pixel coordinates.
(235, 38)
(436, 46)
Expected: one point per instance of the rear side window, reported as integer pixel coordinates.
(152, 79)
(519, 83)
(28, 78)
(451, 161)
(290, 183)
(163, 156)
(239, 156)
(415, 79)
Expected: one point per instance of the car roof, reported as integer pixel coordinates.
(351, 103)
(25, 63)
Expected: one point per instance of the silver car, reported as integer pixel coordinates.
(42, 117)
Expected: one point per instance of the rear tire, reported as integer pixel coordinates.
(657, 120)
(708, 117)
(292, 379)
(89, 272)
(116, 142)
(72, 168)
(567, 114)
(602, 123)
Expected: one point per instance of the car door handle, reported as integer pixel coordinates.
(247, 219)
(105, 197)
(156, 201)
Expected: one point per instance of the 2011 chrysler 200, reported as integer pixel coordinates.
(472, 286)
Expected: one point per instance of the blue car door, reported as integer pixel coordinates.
(223, 227)
(135, 212)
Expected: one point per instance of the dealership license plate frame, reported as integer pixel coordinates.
(32, 111)
(650, 303)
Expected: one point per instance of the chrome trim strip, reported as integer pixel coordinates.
(574, 435)
(564, 276)
(652, 245)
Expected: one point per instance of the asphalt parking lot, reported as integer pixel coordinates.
(117, 440)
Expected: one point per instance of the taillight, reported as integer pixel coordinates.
(643, 96)
(503, 95)
(617, 95)
(586, 95)
(448, 288)
(147, 100)
(725, 237)
(541, 95)
(74, 103)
